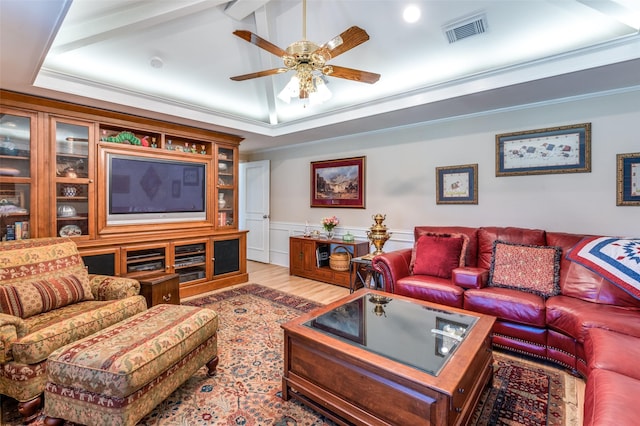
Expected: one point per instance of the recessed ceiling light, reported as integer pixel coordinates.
(411, 13)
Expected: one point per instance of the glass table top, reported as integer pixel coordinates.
(415, 335)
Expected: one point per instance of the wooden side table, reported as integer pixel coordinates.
(362, 273)
(160, 288)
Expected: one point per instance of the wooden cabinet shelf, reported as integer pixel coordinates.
(305, 261)
(15, 214)
(13, 157)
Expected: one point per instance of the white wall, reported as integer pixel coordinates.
(400, 175)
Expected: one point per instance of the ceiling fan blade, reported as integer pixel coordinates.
(351, 74)
(349, 39)
(260, 42)
(259, 74)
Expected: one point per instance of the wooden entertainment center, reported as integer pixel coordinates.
(70, 170)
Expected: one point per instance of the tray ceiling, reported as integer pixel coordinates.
(174, 59)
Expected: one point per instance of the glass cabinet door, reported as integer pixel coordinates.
(74, 178)
(226, 202)
(17, 130)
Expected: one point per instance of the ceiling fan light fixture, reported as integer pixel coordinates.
(321, 93)
(291, 90)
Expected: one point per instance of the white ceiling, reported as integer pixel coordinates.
(97, 51)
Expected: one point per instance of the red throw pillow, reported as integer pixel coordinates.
(437, 256)
(463, 253)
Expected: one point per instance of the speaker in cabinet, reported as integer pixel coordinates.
(101, 264)
(227, 256)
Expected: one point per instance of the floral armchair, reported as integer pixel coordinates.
(47, 300)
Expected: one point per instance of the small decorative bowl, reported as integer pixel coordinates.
(69, 191)
(65, 210)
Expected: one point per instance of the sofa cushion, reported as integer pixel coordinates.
(574, 317)
(39, 259)
(35, 297)
(51, 330)
(578, 281)
(534, 269)
(610, 399)
(507, 304)
(612, 351)
(487, 235)
(615, 259)
(429, 288)
(438, 255)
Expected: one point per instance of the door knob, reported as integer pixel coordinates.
(265, 216)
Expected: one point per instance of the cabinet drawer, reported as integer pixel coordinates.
(465, 390)
(158, 289)
(323, 274)
(341, 278)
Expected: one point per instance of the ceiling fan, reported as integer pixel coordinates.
(309, 61)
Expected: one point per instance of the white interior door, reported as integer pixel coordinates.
(254, 208)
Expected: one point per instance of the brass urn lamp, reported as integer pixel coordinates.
(378, 234)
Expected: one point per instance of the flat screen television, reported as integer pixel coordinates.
(144, 190)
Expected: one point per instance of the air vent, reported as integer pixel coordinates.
(466, 27)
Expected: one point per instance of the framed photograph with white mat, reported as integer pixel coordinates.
(628, 179)
(457, 184)
(565, 149)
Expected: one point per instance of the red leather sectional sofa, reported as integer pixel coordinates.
(592, 327)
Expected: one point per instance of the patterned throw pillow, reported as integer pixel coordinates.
(534, 269)
(36, 297)
(437, 256)
(463, 253)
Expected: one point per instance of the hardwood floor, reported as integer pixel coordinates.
(278, 277)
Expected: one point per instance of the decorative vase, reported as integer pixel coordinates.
(378, 234)
(330, 234)
(221, 201)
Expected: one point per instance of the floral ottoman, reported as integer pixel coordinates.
(118, 375)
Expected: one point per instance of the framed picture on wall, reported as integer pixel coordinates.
(457, 184)
(628, 179)
(565, 149)
(338, 183)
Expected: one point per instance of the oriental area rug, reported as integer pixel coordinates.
(246, 389)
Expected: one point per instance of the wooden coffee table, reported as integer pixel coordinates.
(380, 359)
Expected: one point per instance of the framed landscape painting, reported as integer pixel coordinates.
(338, 183)
(628, 179)
(565, 149)
(457, 184)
